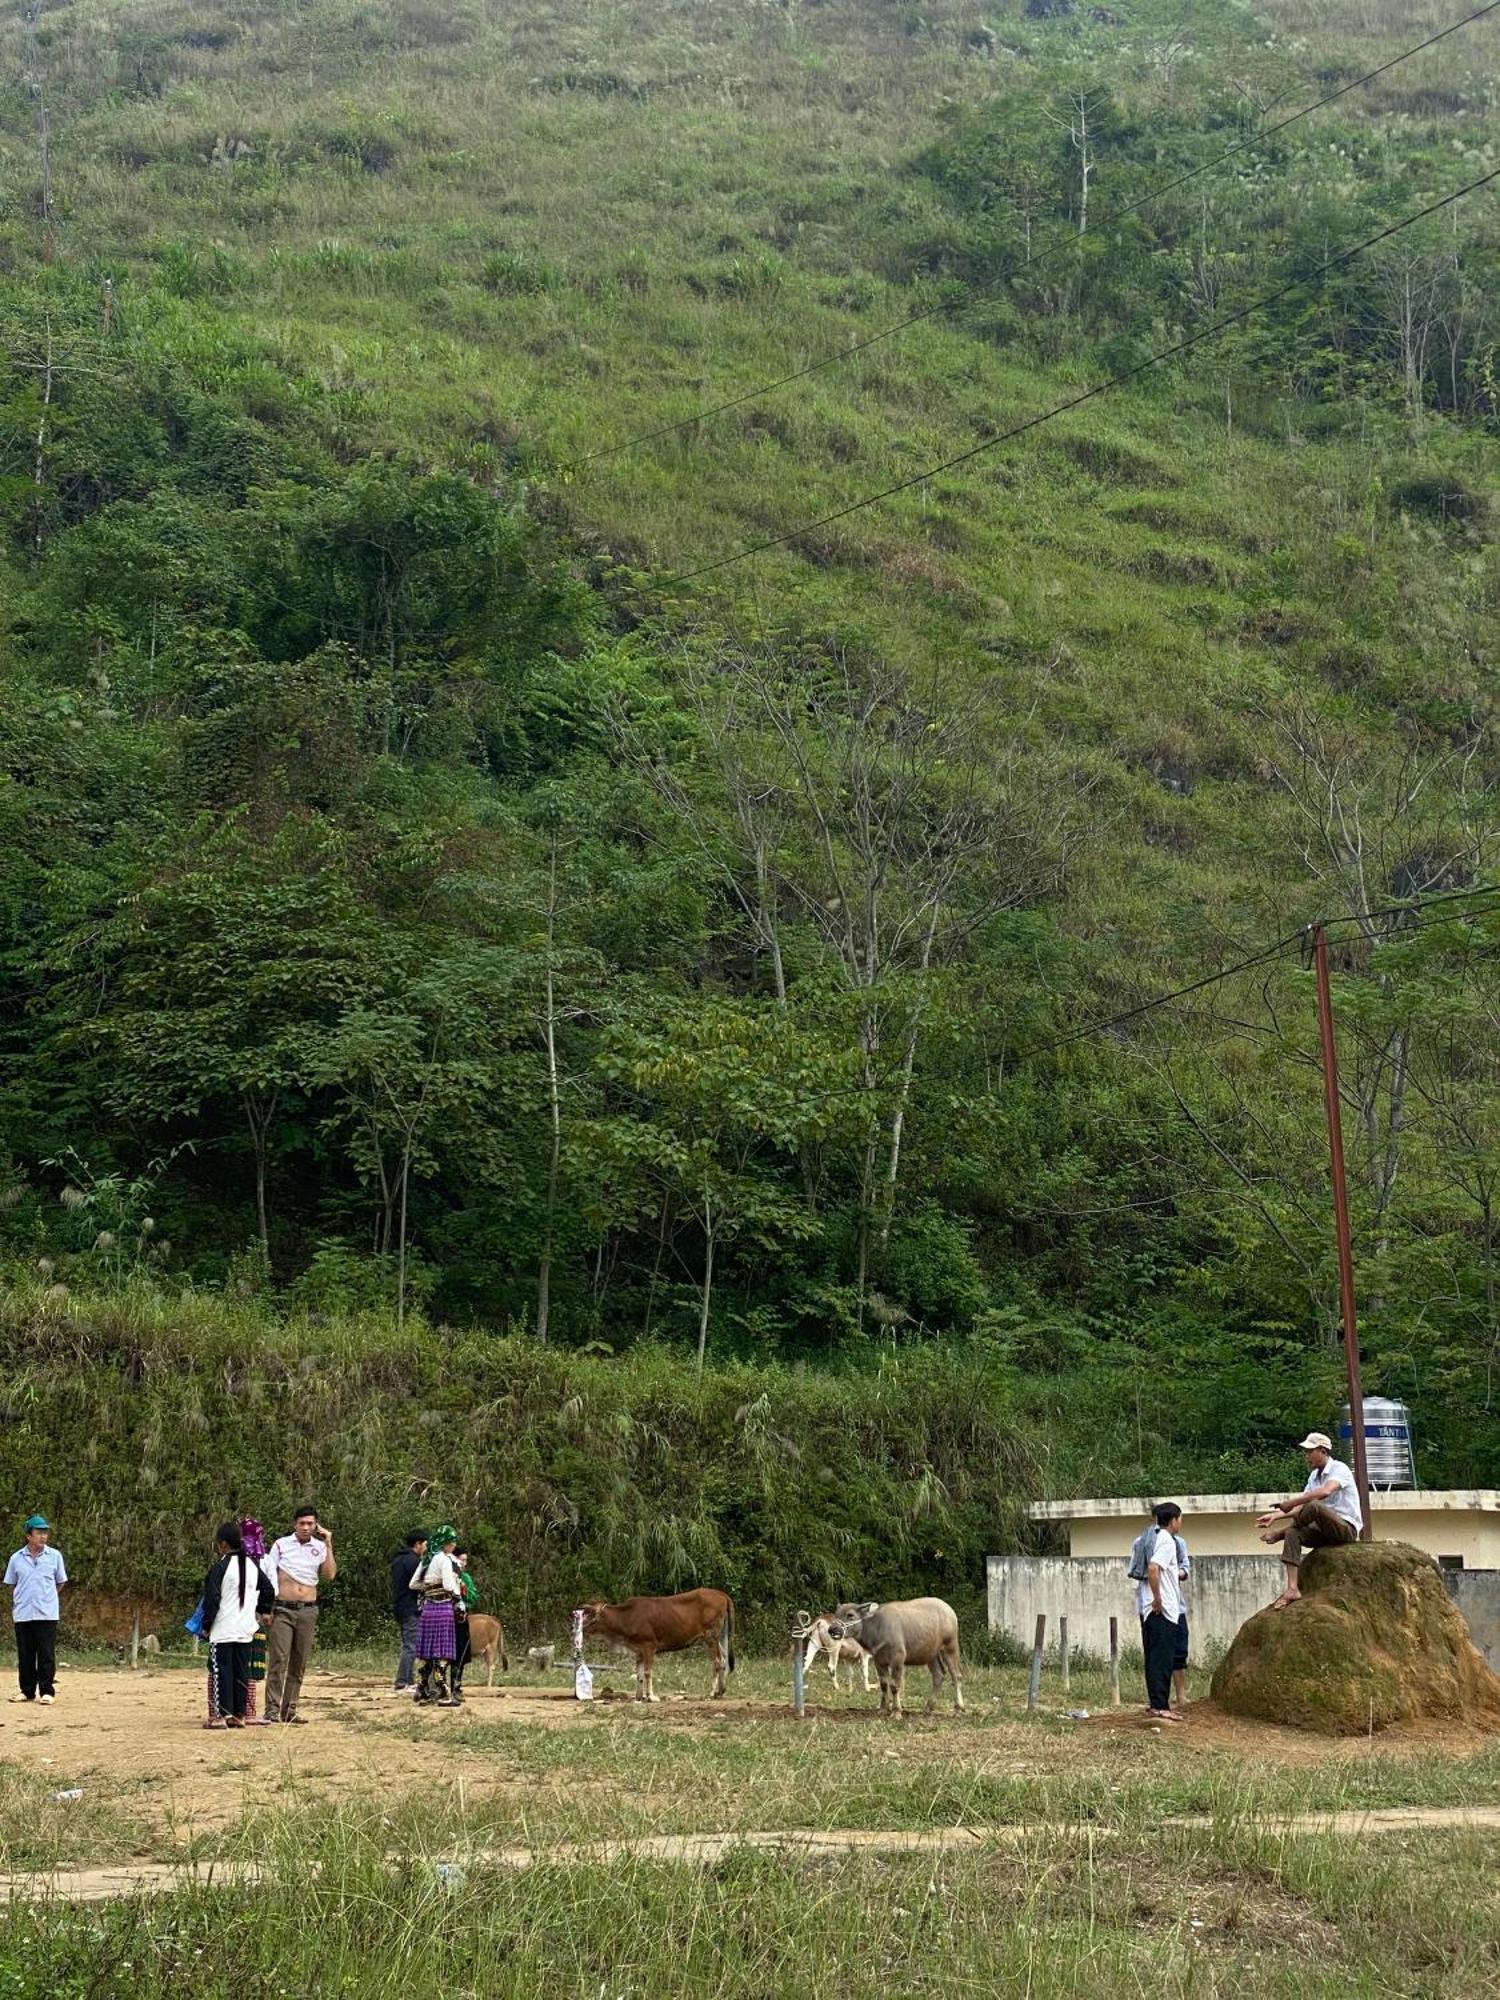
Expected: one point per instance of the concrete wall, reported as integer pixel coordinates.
(1088, 1591)
(1476, 1592)
(1224, 1592)
(1439, 1530)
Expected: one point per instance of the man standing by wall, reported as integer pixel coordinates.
(296, 1564)
(34, 1575)
(406, 1607)
(1326, 1514)
(1158, 1599)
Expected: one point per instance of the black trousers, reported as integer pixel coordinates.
(36, 1655)
(464, 1650)
(228, 1680)
(1159, 1645)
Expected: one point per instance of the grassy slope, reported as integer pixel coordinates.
(1051, 574)
(549, 232)
(574, 1475)
(514, 238)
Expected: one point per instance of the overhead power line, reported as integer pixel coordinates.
(1156, 360)
(1299, 936)
(1157, 192)
(1103, 1025)
(1485, 898)
(1417, 906)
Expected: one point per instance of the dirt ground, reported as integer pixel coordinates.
(135, 1740)
(1208, 1726)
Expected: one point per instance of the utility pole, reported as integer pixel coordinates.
(1341, 1219)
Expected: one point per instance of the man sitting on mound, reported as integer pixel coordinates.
(1324, 1515)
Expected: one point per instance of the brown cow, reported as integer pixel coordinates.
(486, 1640)
(647, 1626)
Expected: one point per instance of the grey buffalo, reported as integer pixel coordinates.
(913, 1632)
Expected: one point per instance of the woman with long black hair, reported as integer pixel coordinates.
(236, 1596)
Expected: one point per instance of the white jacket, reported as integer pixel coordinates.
(234, 1621)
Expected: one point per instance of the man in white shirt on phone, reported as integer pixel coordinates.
(295, 1564)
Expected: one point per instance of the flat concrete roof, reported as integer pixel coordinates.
(1454, 1499)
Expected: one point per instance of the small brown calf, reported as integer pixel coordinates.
(486, 1642)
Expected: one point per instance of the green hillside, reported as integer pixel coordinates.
(419, 899)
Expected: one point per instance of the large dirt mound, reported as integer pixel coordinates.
(1375, 1639)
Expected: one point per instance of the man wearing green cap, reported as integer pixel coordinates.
(34, 1576)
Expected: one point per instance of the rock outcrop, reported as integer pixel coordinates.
(1375, 1639)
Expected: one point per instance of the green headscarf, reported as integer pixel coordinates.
(441, 1537)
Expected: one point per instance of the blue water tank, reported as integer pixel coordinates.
(1388, 1452)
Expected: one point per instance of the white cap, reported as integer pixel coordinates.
(1316, 1441)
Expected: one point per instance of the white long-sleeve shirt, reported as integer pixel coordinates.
(438, 1575)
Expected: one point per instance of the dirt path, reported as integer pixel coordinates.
(107, 1884)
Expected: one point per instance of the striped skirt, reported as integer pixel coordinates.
(257, 1671)
(436, 1631)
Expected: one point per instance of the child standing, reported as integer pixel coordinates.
(253, 1541)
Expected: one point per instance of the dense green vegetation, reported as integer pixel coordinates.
(572, 1476)
(414, 905)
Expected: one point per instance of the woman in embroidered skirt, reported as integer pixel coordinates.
(437, 1584)
(253, 1542)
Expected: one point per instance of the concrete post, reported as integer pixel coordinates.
(1035, 1686)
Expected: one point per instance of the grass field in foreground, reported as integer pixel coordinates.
(1097, 1887)
(1235, 1908)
